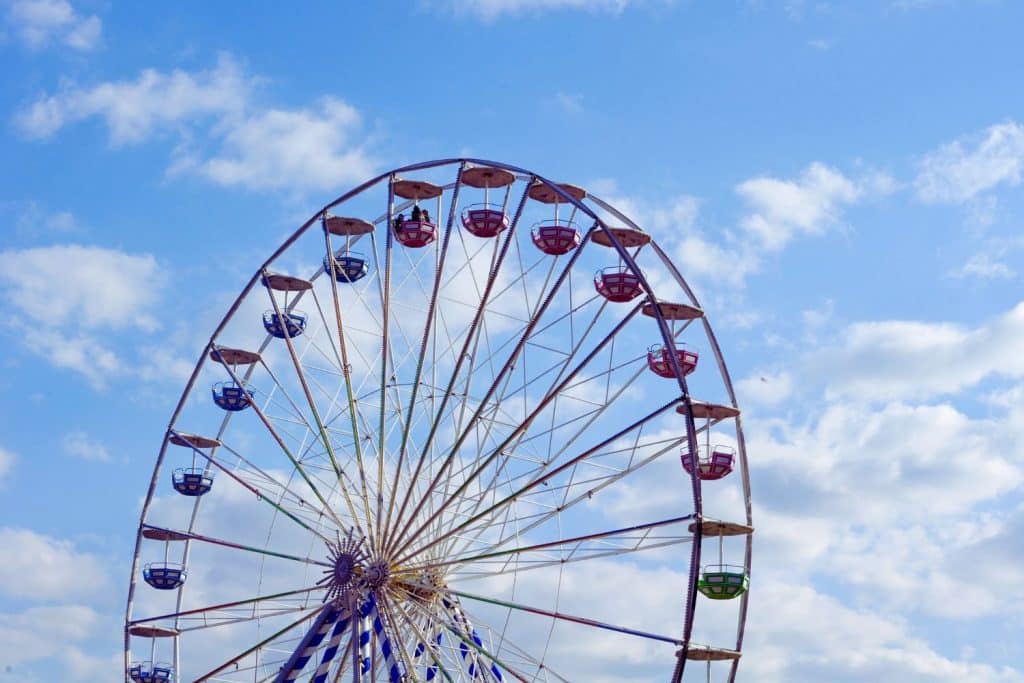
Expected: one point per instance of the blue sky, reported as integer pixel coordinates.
(839, 182)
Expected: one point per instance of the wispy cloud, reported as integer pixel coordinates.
(257, 147)
(907, 359)
(135, 110)
(569, 103)
(313, 148)
(41, 23)
(961, 170)
(35, 219)
(489, 10)
(983, 267)
(69, 295)
(6, 462)
(38, 567)
(81, 445)
(806, 205)
(779, 211)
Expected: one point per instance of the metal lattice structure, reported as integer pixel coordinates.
(438, 446)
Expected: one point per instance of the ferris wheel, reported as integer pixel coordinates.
(465, 424)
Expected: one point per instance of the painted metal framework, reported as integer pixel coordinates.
(418, 474)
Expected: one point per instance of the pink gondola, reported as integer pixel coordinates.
(415, 234)
(555, 237)
(715, 466)
(484, 220)
(659, 360)
(618, 284)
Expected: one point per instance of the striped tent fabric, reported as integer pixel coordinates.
(394, 672)
(307, 647)
(340, 626)
(470, 657)
(431, 667)
(364, 636)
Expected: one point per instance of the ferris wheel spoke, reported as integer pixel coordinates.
(398, 640)
(520, 563)
(474, 325)
(472, 354)
(588, 418)
(570, 618)
(539, 666)
(465, 629)
(301, 376)
(385, 354)
(631, 538)
(259, 494)
(223, 621)
(427, 643)
(539, 519)
(199, 611)
(427, 336)
(544, 478)
(190, 535)
(443, 623)
(267, 486)
(263, 643)
(343, 345)
(541, 405)
(501, 417)
(344, 435)
(280, 442)
(401, 536)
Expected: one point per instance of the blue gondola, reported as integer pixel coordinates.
(193, 481)
(348, 266)
(230, 396)
(164, 576)
(287, 324)
(147, 672)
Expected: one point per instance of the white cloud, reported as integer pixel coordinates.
(883, 360)
(727, 265)
(81, 353)
(89, 287)
(7, 459)
(259, 148)
(789, 641)
(815, 318)
(309, 148)
(783, 209)
(34, 219)
(40, 23)
(488, 10)
(765, 389)
(963, 169)
(983, 267)
(30, 635)
(135, 110)
(868, 465)
(84, 665)
(38, 567)
(673, 223)
(80, 445)
(570, 103)
(68, 294)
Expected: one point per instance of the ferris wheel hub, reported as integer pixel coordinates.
(345, 555)
(376, 574)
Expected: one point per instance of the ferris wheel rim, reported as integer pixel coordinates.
(321, 214)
